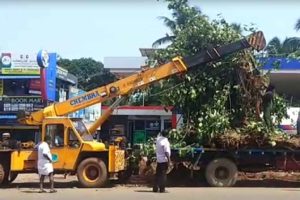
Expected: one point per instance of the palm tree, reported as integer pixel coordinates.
(277, 48)
(180, 19)
(297, 26)
(237, 27)
(172, 25)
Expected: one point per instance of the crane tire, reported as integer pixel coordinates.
(92, 173)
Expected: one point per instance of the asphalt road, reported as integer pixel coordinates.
(144, 193)
(26, 187)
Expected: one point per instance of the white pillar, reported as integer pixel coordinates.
(162, 123)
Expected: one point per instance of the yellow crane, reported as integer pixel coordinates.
(72, 145)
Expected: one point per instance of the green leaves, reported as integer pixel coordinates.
(90, 73)
(214, 98)
(279, 109)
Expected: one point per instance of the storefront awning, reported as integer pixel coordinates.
(19, 127)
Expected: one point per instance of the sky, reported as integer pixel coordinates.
(108, 28)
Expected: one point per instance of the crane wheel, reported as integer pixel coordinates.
(92, 172)
(221, 172)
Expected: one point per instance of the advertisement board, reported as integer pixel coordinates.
(13, 64)
(34, 86)
(19, 64)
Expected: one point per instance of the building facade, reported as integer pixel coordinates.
(285, 76)
(21, 90)
(138, 123)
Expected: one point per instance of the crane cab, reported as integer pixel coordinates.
(73, 151)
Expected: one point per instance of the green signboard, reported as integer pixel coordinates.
(139, 137)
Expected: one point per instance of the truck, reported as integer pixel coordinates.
(73, 148)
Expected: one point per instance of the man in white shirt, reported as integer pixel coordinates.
(163, 153)
(45, 167)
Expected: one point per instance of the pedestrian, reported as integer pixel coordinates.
(163, 153)
(298, 124)
(9, 143)
(45, 167)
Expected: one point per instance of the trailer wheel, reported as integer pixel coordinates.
(92, 172)
(2, 174)
(221, 172)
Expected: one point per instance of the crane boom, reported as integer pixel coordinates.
(106, 115)
(139, 80)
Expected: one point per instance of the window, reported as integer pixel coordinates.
(73, 141)
(82, 130)
(139, 125)
(16, 87)
(56, 133)
(167, 124)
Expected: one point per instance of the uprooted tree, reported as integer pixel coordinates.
(220, 102)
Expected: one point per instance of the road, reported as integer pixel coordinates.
(145, 193)
(69, 190)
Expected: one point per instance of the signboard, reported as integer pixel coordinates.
(139, 137)
(20, 71)
(153, 125)
(51, 77)
(8, 118)
(89, 114)
(61, 73)
(19, 64)
(74, 92)
(14, 104)
(43, 59)
(34, 86)
(64, 75)
(1, 87)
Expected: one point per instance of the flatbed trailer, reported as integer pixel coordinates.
(221, 166)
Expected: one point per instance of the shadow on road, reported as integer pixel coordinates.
(268, 183)
(174, 180)
(275, 183)
(145, 191)
(59, 185)
(183, 178)
(30, 191)
(71, 184)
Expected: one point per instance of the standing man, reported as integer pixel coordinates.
(268, 99)
(163, 153)
(45, 167)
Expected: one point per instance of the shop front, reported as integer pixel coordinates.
(139, 123)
